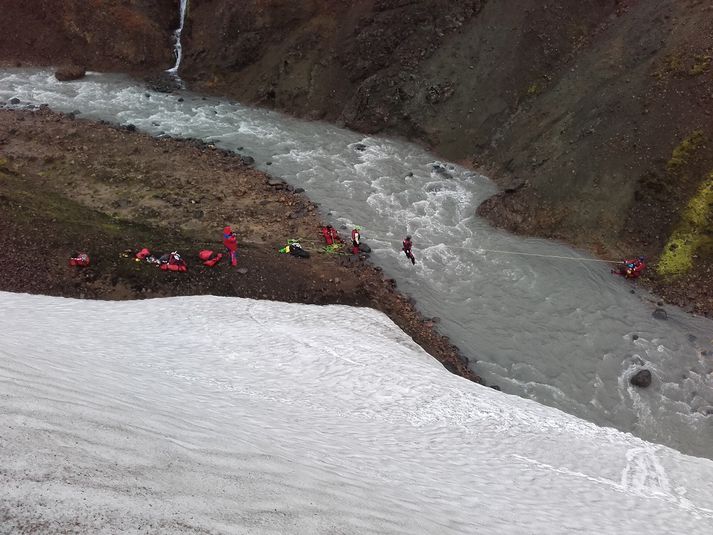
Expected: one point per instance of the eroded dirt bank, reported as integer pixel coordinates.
(67, 184)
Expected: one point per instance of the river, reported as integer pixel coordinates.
(565, 333)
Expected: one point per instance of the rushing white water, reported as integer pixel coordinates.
(177, 46)
(221, 415)
(565, 333)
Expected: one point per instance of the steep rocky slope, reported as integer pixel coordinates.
(132, 35)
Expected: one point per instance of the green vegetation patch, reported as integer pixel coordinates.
(683, 152)
(693, 233)
(700, 66)
(534, 89)
(682, 65)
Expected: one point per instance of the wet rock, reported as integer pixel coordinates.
(360, 147)
(691, 337)
(495, 387)
(299, 190)
(180, 99)
(70, 72)
(441, 170)
(162, 83)
(268, 163)
(660, 314)
(130, 127)
(14, 100)
(276, 183)
(247, 160)
(364, 248)
(121, 203)
(634, 336)
(514, 185)
(410, 173)
(641, 379)
(450, 367)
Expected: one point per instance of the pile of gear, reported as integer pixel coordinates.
(167, 262)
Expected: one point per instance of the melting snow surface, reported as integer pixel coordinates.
(221, 415)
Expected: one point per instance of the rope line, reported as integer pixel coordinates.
(497, 251)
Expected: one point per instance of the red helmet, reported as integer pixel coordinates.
(227, 230)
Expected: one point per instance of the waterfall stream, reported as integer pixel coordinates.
(177, 47)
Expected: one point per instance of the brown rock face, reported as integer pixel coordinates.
(68, 73)
(134, 35)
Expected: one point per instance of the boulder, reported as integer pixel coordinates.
(660, 314)
(360, 147)
(364, 248)
(641, 379)
(14, 100)
(248, 160)
(70, 72)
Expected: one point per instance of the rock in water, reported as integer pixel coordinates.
(71, 72)
(641, 378)
(660, 314)
(364, 248)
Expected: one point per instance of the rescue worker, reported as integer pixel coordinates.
(327, 234)
(356, 239)
(634, 268)
(407, 244)
(336, 238)
(230, 241)
(631, 269)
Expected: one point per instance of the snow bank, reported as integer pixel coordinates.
(221, 415)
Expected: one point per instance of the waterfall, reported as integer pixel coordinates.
(177, 48)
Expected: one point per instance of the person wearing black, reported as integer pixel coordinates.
(407, 249)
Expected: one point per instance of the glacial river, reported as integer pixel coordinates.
(565, 333)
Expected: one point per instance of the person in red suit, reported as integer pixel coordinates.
(327, 234)
(230, 241)
(631, 269)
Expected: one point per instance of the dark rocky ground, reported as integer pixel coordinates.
(68, 184)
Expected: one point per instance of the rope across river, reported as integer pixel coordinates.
(496, 251)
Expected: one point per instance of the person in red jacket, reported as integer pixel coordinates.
(336, 238)
(634, 268)
(631, 269)
(326, 233)
(231, 244)
(407, 244)
(330, 234)
(356, 239)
